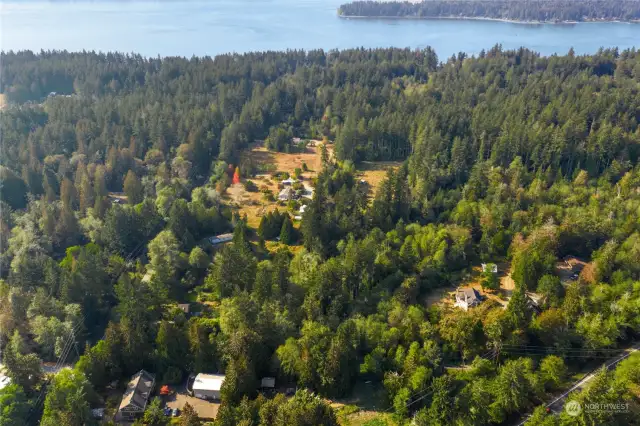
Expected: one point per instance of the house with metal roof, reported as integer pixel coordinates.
(135, 398)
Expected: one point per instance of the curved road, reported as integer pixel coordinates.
(557, 404)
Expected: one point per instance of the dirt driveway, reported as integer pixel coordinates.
(205, 409)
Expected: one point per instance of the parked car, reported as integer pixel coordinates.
(176, 412)
(167, 411)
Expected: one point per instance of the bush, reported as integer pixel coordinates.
(490, 281)
(250, 186)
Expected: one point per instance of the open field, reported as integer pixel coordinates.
(444, 296)
(366, 403)
(375, 172)
(254, 204)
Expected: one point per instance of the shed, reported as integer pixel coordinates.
(268, 382)
(207, 386)
(289, 181)
(184, 307)
(219, 239)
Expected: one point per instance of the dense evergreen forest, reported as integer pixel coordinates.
(114, 171)
(512, 10)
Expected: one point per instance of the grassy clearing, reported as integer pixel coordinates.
(365, 406)
(254, 205)
(375, 172)
(444, 296)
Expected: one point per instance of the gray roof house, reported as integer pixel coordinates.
(287, 194)
(467, 298)
(135, 398)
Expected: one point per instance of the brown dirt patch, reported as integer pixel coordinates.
(445, 296)
(572, 265)
(205, 409)
(284, 162)
(374, 172)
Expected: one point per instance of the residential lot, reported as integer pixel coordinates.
(205, 409)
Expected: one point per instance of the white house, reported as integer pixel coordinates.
(467, 298)
(207, 386)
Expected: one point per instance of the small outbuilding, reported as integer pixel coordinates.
(220, 239)
(207, 386)
(289, 181)
(268, 383)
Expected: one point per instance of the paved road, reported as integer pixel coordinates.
(557, 404)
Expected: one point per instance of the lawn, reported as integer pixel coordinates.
(366, 405)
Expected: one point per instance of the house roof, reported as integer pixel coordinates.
(184, 307)
(268, 382)
(286, 193)
(468, 294)
(208, 382)
(138, 390)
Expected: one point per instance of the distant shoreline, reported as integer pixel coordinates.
(482, 18)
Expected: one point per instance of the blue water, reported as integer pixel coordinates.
(207, 28)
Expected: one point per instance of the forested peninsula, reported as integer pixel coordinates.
(496, 258)
(503, 10)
